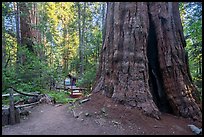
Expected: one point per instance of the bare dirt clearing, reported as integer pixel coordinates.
(96, 117)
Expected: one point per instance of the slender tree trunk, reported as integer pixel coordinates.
(41, 33)
(80, 40)
(18, 60)
(3, 43)
(143, 63)
(34, 21)
(65, 52)
(83, 35)
(200, 67)
(17, 24)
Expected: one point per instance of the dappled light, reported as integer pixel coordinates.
(73, 68)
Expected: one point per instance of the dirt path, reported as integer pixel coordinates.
(55, 120)
(96, 117)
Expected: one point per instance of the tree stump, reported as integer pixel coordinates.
(5, 116)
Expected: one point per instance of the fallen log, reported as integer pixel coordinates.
(17, 94)
(7, 95)
(27, 105)
(84, 100)
(24, 93)
(20, 102)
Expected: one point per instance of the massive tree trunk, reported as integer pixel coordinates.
(143, 62)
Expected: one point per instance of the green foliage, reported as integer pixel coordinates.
(6, 100)
(58, 51)
(191, 16)
(61, 97)
(88, 78)
(8, 78)
(32, 74)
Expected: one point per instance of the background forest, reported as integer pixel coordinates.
(44, 42)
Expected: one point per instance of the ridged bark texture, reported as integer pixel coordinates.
(125, 66)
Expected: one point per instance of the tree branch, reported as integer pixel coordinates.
(23, 93)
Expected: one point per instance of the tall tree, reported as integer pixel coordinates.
(26, 29)
(17, 22)
(83, 37)
(80, 37)
(3, 35)
(143, 62)
(81, 27)
(18, 60)
(103, 20)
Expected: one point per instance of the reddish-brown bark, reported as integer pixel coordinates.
(25, 23)
(143, 62)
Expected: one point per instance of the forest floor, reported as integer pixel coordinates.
(98, 116)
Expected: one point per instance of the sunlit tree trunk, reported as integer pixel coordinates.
(83, 37)
(81, 27)
(34, 21)
(66, 49)
(17, 16)
(143, 61)
(41, 33)
(80, 38)
(3, 43)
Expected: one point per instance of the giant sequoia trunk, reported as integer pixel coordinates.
(143, 62)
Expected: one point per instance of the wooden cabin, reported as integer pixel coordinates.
(70, 85)
(70, 82)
